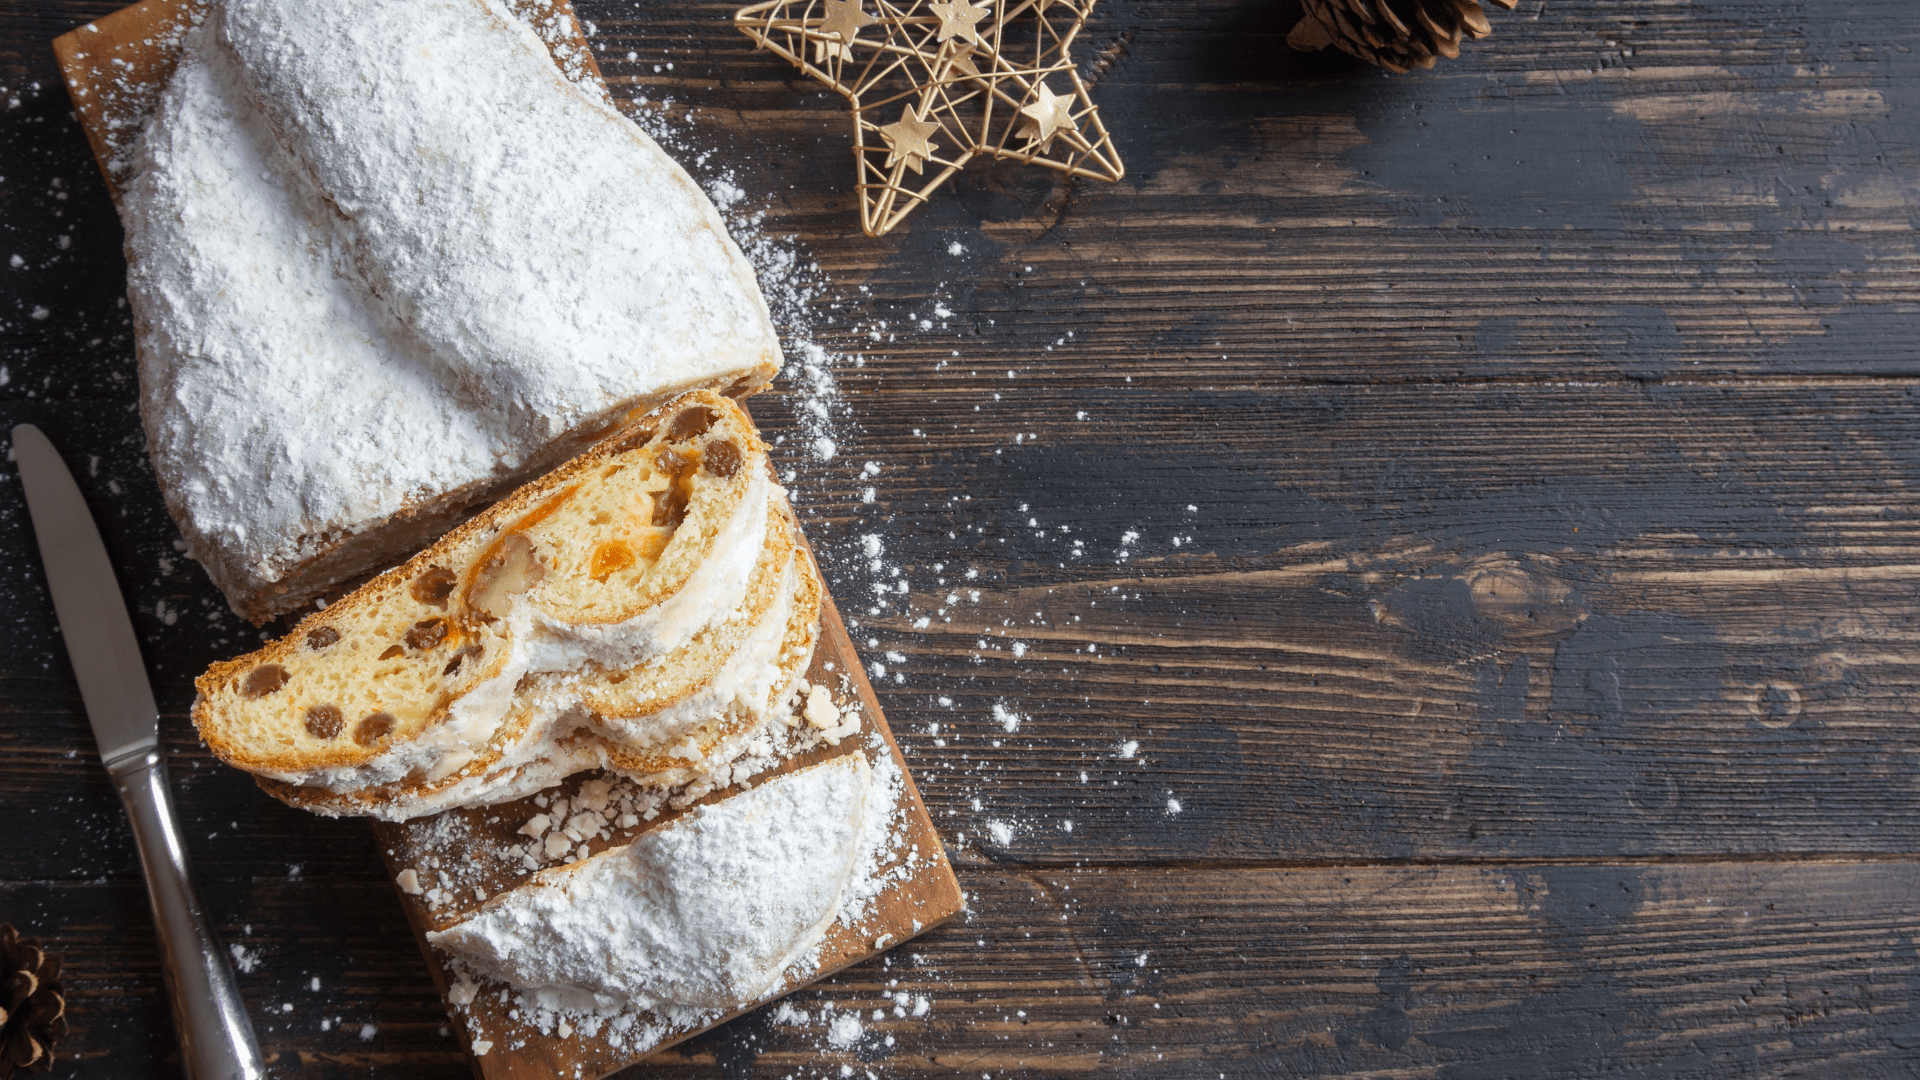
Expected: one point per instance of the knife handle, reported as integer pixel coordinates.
(216, 1039)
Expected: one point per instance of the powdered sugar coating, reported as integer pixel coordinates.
(247, 320)
(551, 254)
(705, 912)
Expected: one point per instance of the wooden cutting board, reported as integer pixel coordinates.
(115, 68)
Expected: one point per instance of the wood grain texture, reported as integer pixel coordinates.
(1735, 969)
(1548, 424)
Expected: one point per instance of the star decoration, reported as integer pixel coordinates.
(840, 29)
(1047, 116)
(958, 19)
(907, 141)
(980, 75)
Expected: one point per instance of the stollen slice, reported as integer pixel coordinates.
(621, 556)
(666, 722)
(704, 912)
(675, 742)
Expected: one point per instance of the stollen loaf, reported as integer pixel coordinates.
(385, 262)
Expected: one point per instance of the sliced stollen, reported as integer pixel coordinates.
(704, 912)
(668, 737)
(386, 261)
(667, 722)
(622, 556)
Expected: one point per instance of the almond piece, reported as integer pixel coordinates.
(512, 570)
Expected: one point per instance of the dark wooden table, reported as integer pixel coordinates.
(1465, 558)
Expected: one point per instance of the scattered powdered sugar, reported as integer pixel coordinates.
(244, 958)
(845, 1029)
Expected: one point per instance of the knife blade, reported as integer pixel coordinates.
(216, 1039)
(113, 680)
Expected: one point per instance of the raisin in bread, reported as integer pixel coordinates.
(624, 556)
(353, 326)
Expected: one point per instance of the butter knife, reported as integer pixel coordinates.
(216, 1039)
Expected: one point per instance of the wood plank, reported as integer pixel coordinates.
(1408, 622)
(1729, 199)
(1729, 968)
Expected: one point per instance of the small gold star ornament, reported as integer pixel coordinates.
(908, 141)
(957, 20)
(1047, 116)
(840, 29)
(981, 76)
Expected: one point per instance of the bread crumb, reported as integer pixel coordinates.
(820, 711)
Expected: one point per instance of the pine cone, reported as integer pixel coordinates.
(33, 1010)
(1398, 35)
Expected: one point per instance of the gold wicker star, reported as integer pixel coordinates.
(979, 75)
